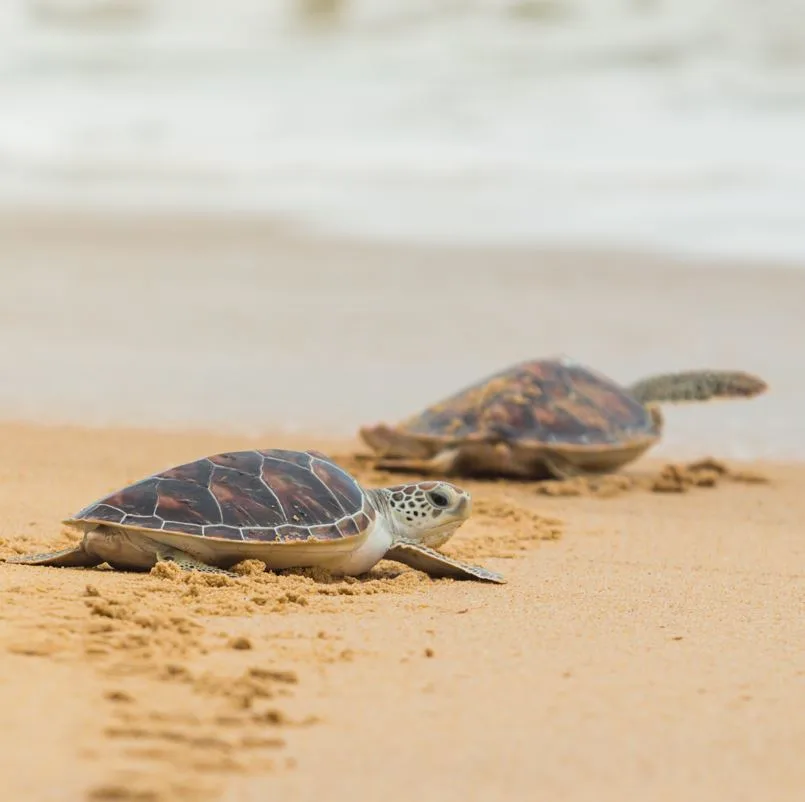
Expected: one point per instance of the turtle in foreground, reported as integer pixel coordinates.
(289, 509)
(546, 418)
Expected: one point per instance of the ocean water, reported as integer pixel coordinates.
(674, 126)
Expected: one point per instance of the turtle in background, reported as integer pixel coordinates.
(545, 418)
(288, 509)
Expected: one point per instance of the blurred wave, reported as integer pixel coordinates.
(648, 123)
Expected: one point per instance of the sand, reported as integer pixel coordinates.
(648, 645)
(215, 323)
(649, 641)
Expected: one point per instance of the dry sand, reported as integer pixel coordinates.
(648, 646)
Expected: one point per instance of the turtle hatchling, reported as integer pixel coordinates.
(546, 418)
(288, 509)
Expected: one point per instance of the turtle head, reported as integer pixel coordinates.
(424, 512)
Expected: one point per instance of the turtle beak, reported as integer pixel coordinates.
(464, 506)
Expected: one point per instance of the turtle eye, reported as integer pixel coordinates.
(438, 499)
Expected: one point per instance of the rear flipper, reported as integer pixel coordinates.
(74, 557)
(561, 468)
(436, 564)
(188, 563)
(697, 385)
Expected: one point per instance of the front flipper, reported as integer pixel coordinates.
(442, 464)
(436, 564)
(389, 442)
(188, 563)
(477, 459)
(562, 468)
(75, 557)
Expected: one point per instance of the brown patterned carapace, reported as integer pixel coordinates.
(547, 401)
(269, 496)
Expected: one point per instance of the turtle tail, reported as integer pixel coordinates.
(697, 385)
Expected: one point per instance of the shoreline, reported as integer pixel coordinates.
(256, 326)
(26, 219)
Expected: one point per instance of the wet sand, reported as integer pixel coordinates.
(248, 325)
(648, 644)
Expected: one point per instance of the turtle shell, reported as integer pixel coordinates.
(547, 401)
(273, 496)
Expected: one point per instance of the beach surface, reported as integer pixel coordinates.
(256, 225)
(648, 643)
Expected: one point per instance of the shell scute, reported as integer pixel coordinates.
(318, 454)
(143, 521)
(187, 529)
(347, 527)
(339, 483)
(299, 458)
(248, 462)
(325, 532)
(198, 472)
(245, 500)
(102, 512)
(287, 533)
(304, 497)
(137, 499)
(362, 520)
(186, 502)
(260, 535)
(227, 532)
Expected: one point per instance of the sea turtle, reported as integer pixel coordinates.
(545, 418)
(289, 509)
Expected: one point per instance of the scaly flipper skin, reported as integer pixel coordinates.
(78, 558)
(388, 441)
(436, 564)
(66, 558)
(442, 464)
(467, 459)
(697, 386)
(188, 563)
(561, 468)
